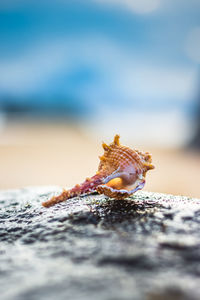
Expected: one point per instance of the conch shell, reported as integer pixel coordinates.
(121, 173)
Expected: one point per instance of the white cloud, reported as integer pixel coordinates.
(136, 6)
(27, 72)
(122, 74)
(159, 83)
(192, 46)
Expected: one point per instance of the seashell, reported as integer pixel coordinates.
(121, 173)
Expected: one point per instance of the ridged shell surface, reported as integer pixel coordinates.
(121, 172)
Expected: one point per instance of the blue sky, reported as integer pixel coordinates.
(97, 54)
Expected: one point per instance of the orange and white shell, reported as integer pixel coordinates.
(121, 173)
(124, 170)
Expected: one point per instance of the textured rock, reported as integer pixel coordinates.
(146, 247)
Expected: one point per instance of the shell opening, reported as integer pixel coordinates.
(115, 183)
(118, 184)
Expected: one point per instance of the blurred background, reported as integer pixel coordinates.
(74, 73)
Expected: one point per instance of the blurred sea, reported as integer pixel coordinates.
(119, 65)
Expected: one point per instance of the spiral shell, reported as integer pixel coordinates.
(121, 172)
(124, 170)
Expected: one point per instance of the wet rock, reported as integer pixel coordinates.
(145, 247)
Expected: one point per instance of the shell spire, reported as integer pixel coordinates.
(121, 173)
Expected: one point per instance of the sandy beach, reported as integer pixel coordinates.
(60, 154)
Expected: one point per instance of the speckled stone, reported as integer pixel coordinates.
(146, 247)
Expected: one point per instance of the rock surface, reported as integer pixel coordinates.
(146, 247)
